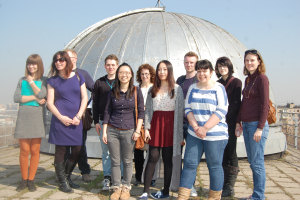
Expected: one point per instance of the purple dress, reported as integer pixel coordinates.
(67, 99)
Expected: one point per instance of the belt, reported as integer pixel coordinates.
(120, 129)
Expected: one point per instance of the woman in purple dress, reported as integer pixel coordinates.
(67, 100)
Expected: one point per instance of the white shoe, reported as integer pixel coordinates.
(193, 192)
(106, 184)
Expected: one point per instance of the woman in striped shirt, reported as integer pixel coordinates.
(206, 107)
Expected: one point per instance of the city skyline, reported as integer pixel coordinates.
(45, 27)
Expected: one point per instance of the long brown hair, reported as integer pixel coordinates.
(117, 87)
(69, 65)
(35, 59)
(170, 79)
(261, 67)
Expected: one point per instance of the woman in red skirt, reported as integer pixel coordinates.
(164, 129)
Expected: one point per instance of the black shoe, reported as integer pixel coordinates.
(137, 182)
(31, 186)
(153, 183)
(22, 185)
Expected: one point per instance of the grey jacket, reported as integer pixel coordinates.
(178, 132)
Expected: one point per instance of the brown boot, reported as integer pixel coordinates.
(214, 195)
(183, 193)
(117, 193)
(125, 193)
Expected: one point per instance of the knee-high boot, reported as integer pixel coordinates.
(61, 176)
(69, 169)
(230, 175)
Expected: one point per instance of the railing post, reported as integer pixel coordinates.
(296, 131)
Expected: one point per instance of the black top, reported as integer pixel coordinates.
(88, 79)
(186, 83)
(120, 113)
(233, 91)
(101, 89)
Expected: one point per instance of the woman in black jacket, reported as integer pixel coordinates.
(233, 86)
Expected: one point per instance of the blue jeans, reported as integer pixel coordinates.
(214, 150)
(255, 154)
(106, 162)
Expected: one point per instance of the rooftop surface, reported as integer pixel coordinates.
(283, 179)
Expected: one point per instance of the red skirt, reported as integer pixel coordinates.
(161, 132)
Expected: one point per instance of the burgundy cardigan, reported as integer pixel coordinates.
(255, 102)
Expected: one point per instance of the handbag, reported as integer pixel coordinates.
(87, 119)
(141, 142)
(272, 113)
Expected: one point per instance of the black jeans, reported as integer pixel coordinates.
(83, 165)
(230, 157)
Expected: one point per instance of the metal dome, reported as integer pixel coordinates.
(151, 35)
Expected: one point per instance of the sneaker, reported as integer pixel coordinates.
(193, 192)
(106, 184)
(153, 183)
(31, 186)
(86, 178)
(22, 185)
(144, 196)
(159, 195)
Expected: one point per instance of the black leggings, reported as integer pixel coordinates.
(154, 154)
(60, 152)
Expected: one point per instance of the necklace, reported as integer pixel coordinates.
(251, 87)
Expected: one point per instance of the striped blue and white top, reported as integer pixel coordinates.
(203, 104)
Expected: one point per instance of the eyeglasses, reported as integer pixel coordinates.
(145, 74)
(60, 60)
(125, 73)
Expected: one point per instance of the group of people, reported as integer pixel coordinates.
(194, 115)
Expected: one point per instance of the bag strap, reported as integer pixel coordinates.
(230, 80)
(135, 103)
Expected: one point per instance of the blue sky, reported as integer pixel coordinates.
(44, 27)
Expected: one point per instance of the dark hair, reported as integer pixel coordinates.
(224, 61)
(69, 65)
(170, 79)
(112, 57)
(117, 87)
(151, 71)
(35, 59)
(261, 67)
(204, 64)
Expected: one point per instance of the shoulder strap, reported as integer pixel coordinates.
(135, 102)
(230, 80)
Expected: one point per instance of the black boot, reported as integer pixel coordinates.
(61, 177)
(69, 169)
(230, 175)
(22, 185)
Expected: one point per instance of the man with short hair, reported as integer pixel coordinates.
(185, 81)
(101, 89)
(83, 165)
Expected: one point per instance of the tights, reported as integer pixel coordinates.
(60, 152)
(29, 146)
(154, 154)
